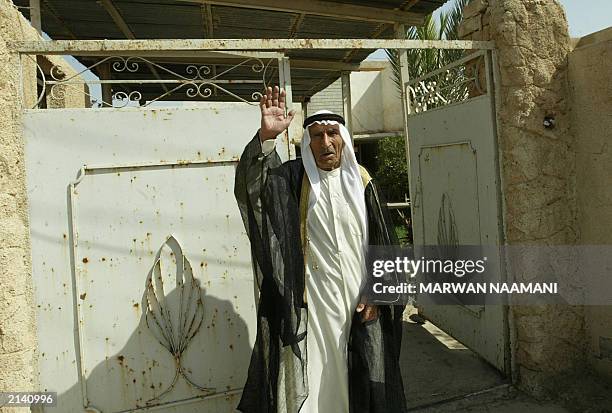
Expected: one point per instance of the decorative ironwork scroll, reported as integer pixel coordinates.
(174, 337)
(454, 83)
(198, 81)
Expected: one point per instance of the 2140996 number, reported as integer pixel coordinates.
(26, 399)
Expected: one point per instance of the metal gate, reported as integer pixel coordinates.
(455, 188)
(141, 265)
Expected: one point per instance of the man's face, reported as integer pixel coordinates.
(326, 144)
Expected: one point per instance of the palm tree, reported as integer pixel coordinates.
(423, 61)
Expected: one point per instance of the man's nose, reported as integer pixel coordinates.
(326, 140)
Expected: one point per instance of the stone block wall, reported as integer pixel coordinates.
(538, 169)
(476, 23)
(590, 75)
(17, 323)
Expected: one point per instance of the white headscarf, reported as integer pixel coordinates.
(349, 173)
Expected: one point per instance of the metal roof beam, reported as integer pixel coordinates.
(208, 20)
(409, 4)
(296, 26)
(35, 15)
(322, 65)
(342, 11)
(117, 18)
(195, 46)
(50, 10)
(349, 55)
(127, 32)
(379, 30)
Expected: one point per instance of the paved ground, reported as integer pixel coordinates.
(437, 367)
(439, 372)
(500, 400)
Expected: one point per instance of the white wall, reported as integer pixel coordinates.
(376, 103)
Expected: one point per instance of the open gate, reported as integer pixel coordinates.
(455, 188)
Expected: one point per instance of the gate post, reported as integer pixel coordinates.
(400, 33)
(18, 344)
(107, 93)
(294, 133)
(347, 104)
(537, 170)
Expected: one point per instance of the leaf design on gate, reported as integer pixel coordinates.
(172, 335)
(447, 226)
(448, 236)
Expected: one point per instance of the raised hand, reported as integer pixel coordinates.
(273, 119)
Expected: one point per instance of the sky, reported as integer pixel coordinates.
(583, 16)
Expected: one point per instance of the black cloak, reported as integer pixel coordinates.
(272, 197)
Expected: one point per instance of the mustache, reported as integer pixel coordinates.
(329, 151)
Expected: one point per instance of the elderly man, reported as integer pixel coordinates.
(319, 346)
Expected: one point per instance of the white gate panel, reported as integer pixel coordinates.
(453, 165)
(158, 184)
(455, 190)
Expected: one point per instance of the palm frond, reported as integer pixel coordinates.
(453, 19)
(451, 29)
(423, 61)
(393, 56)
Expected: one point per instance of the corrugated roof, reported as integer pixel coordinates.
(188, 19)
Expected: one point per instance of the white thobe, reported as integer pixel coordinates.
(334, 275)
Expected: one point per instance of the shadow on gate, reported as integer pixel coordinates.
(143, 369)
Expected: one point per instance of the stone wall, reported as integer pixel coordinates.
(590, 75)
(538, 169)
(17, 316)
